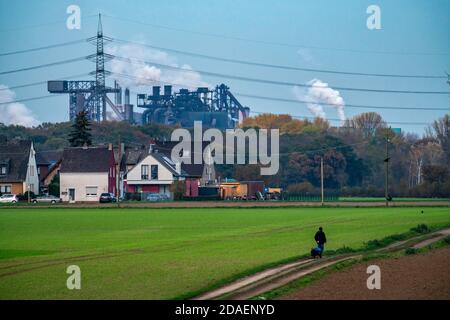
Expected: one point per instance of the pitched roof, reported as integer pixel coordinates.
(193, 170)
(167, 163)
(92, 159)
(48, 157)
(15, 154)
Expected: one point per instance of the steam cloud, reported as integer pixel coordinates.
(147, 75)
(319, 94)
(13, 112)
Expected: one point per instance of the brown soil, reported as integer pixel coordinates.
(421, 276)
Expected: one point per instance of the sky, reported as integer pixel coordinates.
(332, 35)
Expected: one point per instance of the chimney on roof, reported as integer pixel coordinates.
(151, 147)
(110, 146)
(85, 146)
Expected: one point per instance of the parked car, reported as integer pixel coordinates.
(154, 197)
(9, 198)
(164, 197)
(46, 199)
(107, 197)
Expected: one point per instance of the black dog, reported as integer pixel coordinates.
(316, 252)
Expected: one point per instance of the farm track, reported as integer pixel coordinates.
(240, 204)
(273, 278)
(53, 262)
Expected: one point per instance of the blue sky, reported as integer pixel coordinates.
(408, 27)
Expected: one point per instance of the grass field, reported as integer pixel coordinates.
(168, 253)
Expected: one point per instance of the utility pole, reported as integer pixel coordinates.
(118, 173)
(321, 178)
(386, 180)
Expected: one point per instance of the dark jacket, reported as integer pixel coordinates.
(320, 237)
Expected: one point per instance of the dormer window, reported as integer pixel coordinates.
(3, 169)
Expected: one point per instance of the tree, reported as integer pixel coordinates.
(440, 130)
(368, 123)
(178, 188)
(80, 135)
(53, 187)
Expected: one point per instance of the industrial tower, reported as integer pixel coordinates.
(90, 96)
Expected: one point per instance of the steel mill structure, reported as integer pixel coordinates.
(217, 108)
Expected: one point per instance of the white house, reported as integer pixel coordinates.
(18, 170)
(86, 173)
(155, 173)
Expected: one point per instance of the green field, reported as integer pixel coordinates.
(168, 253)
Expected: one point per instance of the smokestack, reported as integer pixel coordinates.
(127, 96)
(167, 90)
(156, 91)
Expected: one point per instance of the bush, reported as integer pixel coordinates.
(24, 196)
(447, 239)
(303, 188)
(421, 228)
(411, 251)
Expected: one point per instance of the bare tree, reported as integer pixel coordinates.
(440, 130)
(368, 123)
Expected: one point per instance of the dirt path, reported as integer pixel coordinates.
(249, 280)
(439, 236)
(421, 276)
(276, 277)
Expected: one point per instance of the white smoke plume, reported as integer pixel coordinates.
(148, 74)
(13, 112)
(319, 94)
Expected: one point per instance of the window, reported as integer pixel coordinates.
(154, 169)
(144, 172)
(5, 188)
(91, 191)
(3, 168)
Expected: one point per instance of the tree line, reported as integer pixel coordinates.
(353, 154)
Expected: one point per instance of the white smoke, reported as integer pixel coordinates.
(13, 112)
(141, 74)
(320, 94)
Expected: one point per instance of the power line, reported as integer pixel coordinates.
(44, 65)
(331, 104)
(28, 99)
(43, 24)
(272, 42)
(41, 82)
(283, 67)
(286, 99)
(260, 112)
(56, 45)
(274, 82)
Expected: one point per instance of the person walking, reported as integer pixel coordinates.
(321, 239)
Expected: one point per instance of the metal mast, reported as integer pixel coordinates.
(100, 68)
